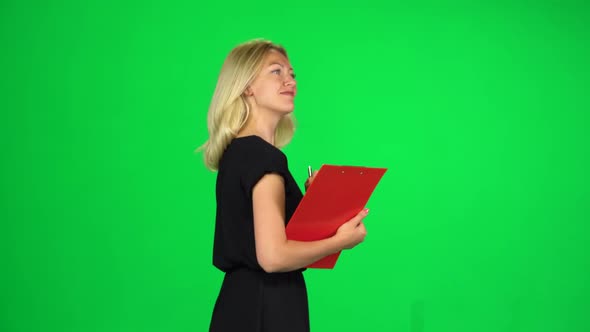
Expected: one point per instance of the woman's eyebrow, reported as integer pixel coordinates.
(280, 64)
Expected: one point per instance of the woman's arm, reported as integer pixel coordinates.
(275, 253)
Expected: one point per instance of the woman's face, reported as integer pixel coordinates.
(274, 88)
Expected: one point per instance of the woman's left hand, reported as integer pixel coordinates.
(310, 180)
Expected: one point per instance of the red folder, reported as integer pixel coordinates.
(337, 194)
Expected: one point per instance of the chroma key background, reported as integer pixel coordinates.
(478, 109)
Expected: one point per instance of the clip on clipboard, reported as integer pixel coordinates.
(337, 194)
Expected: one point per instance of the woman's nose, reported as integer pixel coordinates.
(290, 81)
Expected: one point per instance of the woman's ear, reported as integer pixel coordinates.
(248, 92)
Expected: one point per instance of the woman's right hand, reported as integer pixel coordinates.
(353, 231)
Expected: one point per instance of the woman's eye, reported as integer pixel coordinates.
(278, 71)
(293, 75)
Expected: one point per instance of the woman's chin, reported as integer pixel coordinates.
(286, 110)
(290, 108)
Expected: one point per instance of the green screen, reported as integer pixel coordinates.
(478, 110)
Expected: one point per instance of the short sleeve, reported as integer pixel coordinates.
(262, 164)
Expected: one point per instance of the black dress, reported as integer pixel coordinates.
(251, 300)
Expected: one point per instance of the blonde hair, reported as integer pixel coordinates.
(228, 110)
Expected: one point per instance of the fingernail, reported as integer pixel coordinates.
(366, 210)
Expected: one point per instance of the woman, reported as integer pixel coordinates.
(249, 120)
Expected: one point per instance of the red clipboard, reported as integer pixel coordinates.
(337, 194)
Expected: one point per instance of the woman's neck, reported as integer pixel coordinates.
(262, 127)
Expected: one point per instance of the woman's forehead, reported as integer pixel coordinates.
(274, 56)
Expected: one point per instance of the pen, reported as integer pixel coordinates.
(309, 171)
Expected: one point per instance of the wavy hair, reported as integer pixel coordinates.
(229, 110)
